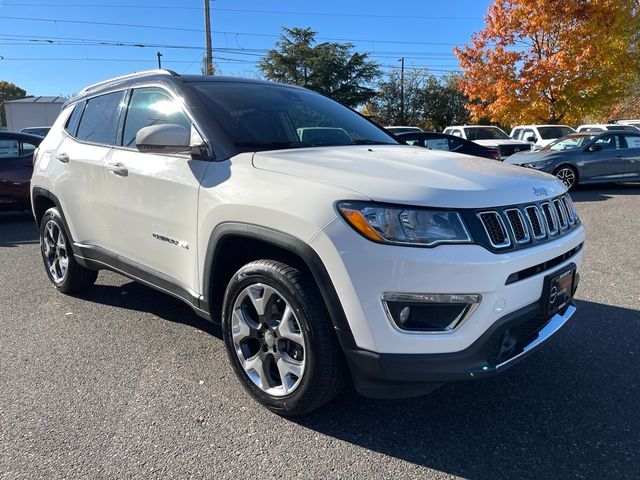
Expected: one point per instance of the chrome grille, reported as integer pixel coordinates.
(520, 225)
(495, 229)
(550, 218)
(536, 222)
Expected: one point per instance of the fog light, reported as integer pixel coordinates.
(428, 313)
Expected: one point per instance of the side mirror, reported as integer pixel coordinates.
(169, 138)
(532, 139)
(594, 148)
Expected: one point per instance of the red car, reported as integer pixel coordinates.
(16, 168)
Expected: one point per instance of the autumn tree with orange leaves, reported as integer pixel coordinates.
(551, 61)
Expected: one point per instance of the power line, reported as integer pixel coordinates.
(199, 30)
(244, 11)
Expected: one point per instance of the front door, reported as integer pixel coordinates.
(607, 163)
(153, 198)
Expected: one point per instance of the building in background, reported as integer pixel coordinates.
(32, 112)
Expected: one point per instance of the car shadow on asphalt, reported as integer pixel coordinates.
(17, 228)
(569, 410)
(134, 296)
(600, 192)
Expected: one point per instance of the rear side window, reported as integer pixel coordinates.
(27, 148)
(9, 148)
(151, 106)
(74, 119)
(99, 122)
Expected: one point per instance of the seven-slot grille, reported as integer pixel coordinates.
(521, 225)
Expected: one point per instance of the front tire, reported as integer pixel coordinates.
(64, 272)
(567, 175)
(280, 339)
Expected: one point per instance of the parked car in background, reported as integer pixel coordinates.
(489, 136)
(634, 122)
(443, 141)
(588, 157)
(397, 129)
(602, 127)
(540, 135)
(40, 131)
(16, 168)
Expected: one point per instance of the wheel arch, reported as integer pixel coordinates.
(232, 245)
(42, 200)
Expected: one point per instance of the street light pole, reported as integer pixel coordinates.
(208, 61)
(159, 61)
(402, 121)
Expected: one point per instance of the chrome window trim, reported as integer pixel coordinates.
(471, 300)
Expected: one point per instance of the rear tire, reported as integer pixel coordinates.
(64, 272)
(280, 339)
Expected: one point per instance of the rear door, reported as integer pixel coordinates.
(10, 167)
(90, 135)
(153, 198)
(631, 155)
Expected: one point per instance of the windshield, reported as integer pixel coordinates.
(571, 142)
(486, 133)
(267, 117)
(548, 133)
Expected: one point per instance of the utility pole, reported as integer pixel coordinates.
(402, 121)
(159, 61)
(208, 61)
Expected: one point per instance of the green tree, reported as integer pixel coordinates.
(331, 69)
(429, 102)
(8, 91)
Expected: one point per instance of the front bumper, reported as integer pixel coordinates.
(380, 375)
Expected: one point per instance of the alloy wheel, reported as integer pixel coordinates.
(55, 251)
(567, 176)
(268, 340)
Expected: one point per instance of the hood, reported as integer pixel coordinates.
(531, 156)
(413, 175)
(497, 142)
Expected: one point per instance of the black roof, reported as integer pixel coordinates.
(27, 137)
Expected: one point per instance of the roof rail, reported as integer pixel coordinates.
(114, 80)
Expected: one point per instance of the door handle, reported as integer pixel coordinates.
(118, 169)
(62, 157)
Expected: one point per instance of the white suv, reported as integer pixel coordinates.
(540, 135)
(489, 136)
(392, 266)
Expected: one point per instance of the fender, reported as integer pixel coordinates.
(43, 192)
(288, 243)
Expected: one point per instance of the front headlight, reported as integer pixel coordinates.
(536, 165)
(405, 225)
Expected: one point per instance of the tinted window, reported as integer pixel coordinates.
(554, 132)
(151, 106)
(437, 143)
(486, 133)
(27, 148)
(608, 142)
(516, 134)
(74, 119)
(8, 148)
(262, 117)
(631, 141)
(99, 122)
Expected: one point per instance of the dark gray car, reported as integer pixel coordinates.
(588, 157)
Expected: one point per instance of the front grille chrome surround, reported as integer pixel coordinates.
(495, 229)
(520, 226)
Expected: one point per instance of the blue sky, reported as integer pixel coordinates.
(424, 32)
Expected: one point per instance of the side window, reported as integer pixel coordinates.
(72, 122)
(151, 106)
(516, 134)
(27, 148)
(630, 141)
(526, 134)
(8, 148)
(99, 122)
(437, 144)
(457, 133)
(455, 144)
(608, 142)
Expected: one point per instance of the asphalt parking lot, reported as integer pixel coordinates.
(125, 382)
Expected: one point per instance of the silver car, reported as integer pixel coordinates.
(587, 157)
